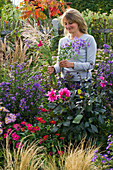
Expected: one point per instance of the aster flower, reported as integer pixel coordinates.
(1, 131)
(52, 95)
(7, 120)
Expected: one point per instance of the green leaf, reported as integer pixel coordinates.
(54, 78)
(100, 118)
(87, 124)
(66, 123)
(52, 105)
(70, 117)
(77, 119)
(94, 128)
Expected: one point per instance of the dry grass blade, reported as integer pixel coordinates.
(28, 157)
(79, 158)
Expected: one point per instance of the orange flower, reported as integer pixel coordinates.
(53, 122)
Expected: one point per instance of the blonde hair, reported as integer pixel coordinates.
(74, 16)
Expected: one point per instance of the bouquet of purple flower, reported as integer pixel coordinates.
(71, 49)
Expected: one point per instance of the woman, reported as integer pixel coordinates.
(79, 67)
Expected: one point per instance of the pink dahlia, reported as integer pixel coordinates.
(52, 95)
(63, 93)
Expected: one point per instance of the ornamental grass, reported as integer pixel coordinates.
(79, 158)
(29, 156)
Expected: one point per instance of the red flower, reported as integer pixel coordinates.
(39, 44)
(23, 129)
(53, 122)
(62, 138)
(57, 134)
(38, 118)
(45, 137)
(29, 126)
(23, 123)
(17, 7)
(42, 121)
(36, 128)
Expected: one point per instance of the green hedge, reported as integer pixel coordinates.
(93, 5)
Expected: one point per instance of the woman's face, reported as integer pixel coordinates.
(70, 26)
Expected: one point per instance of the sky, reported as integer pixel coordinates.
(16, 2)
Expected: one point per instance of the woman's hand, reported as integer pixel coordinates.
(51, 69)
(65, 63)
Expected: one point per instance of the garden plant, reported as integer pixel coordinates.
(39, 114)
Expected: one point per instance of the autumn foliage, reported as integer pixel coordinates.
(42, 9)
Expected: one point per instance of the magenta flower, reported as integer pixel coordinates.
(17, 126)
(52, 95)
(103, 82)
(19, 145)
(29, 126)
(15, 137)
(63, 93)
(9, 130)
(102, 78)
(13, 134)
(39, 44)
(5, 135)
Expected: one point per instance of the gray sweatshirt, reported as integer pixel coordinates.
(83, 63)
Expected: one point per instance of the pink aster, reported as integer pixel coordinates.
(63, 93)
(19, 145)
(29, 126)
(52, 95)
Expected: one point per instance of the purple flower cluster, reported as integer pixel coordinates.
(6, 118)
(72, 48)
(105, 159)
(22, 94)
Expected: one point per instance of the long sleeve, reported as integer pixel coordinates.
(83, 62)
(90, 57)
